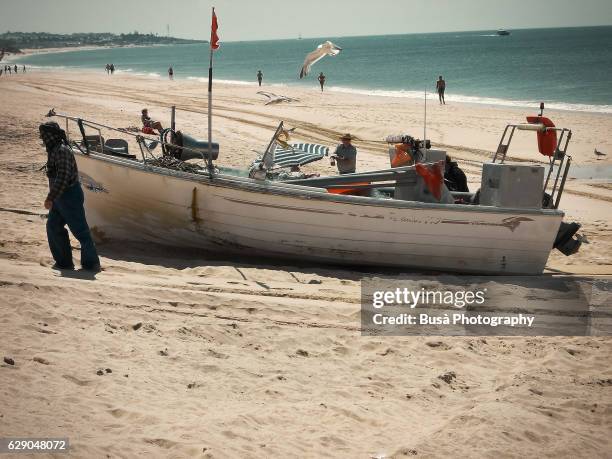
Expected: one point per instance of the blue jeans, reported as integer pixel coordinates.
(68, 210)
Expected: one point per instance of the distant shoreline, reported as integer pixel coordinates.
(65, 49)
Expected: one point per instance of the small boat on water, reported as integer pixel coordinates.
(402, 216)
(503, 32)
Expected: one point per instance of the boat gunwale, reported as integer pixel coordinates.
(305, 192)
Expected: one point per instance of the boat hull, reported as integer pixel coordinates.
(126, 200)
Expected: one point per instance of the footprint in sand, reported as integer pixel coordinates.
(217, 355)
(77, 381)
(161, 442)
(438, 345)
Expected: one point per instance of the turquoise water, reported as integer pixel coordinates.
(567, 68)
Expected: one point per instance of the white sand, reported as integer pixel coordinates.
(235, 358)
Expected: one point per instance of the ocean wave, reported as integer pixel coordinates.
(556, 105)
(234, 82)
(48, 67)
(592, 108)
(142, 73)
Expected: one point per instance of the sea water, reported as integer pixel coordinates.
(568, 68)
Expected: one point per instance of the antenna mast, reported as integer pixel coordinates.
(425, 124)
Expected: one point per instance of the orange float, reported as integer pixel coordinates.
(403, 155)
(433, 175)
(547, 140)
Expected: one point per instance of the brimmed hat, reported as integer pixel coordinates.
(347, 137)
(51, 134)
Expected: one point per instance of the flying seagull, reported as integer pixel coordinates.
(324, 49)
(599, 154)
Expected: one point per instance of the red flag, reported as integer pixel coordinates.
(214, 38)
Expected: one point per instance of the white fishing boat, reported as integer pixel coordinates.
(340, 219)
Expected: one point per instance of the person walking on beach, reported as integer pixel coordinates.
(15, 69)
(112, 68)
(321, 80)
(24, 69)
(259, 77)
(440, 87)
(345, 155)
(65, 202)
(171, 73)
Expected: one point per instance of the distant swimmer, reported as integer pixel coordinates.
(259, 77)
(321, 80)
(440, 87)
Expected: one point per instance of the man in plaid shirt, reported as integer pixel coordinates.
(65, 202)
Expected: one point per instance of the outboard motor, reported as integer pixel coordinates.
(565, 241)
(198, 149)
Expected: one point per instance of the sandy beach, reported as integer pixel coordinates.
(181, 354)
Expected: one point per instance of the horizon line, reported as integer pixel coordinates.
(336, 36)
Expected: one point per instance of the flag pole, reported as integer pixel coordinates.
(425, 125)
(210, 166)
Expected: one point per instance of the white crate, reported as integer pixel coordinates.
(512, 185)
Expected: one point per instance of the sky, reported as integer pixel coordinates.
(246, 20)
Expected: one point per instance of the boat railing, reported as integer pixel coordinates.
(98, 127)
(558, 163)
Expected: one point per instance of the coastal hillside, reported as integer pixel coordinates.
(14, 42)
